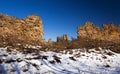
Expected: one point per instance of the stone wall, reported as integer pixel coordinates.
(107, 32)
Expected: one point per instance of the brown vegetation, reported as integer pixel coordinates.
(90, 36)
(83, 43)
(17, 33)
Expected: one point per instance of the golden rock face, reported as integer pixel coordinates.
(108, 32)
(28, 29)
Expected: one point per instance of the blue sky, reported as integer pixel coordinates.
(64, 16)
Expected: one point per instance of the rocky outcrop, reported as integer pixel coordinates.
(62, 38)
(107, 32)
(50, 41)
(27, 29)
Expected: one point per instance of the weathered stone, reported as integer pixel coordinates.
(62, 38)
(65, 37)
(108, 32)
(50, 41)
(28, 29)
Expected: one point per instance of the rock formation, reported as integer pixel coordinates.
(27, 29)
(107, 32)
(65, 37)
(62, 38)
(50, 41)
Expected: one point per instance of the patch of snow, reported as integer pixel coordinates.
(92, 62)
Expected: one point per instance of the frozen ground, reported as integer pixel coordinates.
(77, 61)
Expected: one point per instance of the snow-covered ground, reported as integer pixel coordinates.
(78, 62)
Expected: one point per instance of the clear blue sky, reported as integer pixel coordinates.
(64, 16)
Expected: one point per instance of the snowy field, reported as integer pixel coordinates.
(78, 62)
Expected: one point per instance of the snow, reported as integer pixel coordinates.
(79, 62)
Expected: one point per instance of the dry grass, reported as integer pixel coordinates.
(83, 43)
(61, 45)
